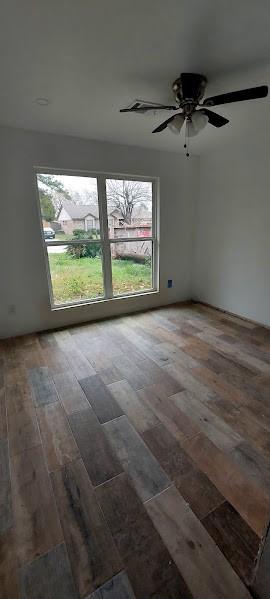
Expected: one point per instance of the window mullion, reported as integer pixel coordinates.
(104, 235)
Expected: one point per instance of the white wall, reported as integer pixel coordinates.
(24, 293)
(232, 229)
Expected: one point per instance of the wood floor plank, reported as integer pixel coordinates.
(177, 355)
(193, 550)
(6, 517)
(138, 412)
(194, 383)
(8, 566)
(220, 363)
(157, 354)
(150, 568)
(93, 555)
(239, 351)
(100, 345)
(57, 438)
(187, 380)
(3, 416)
(171, 336)
(158, 376)
(252, 503)
(127, 518)
(100, 398)
(92, 441)
(167, 412)
(48, 577)
(70, 392)
(261, 582)
(147, 475)
(42, 386)
(222, 388)
(78, 363)
(168, 452)
(36, 523)
(164, 322)
(1, 373)
(22, 423)
(235, 539)
(47, 340)
(55, 359)
(131, 372)
(245, 423)
(118, 587)
(110, 375)
(99, 361)
(193, 484)
(214, 427)
(64, 340)
(253, 464)
(32, 356)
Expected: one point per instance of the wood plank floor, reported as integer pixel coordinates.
(135, 457)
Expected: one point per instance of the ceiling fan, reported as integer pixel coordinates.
(189, 90)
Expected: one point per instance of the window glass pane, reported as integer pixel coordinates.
(131, 266)
(69, 207)
(129, 207)
(76, 272)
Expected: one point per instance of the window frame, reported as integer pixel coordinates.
(104, 240)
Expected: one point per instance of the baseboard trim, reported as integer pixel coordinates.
(234, 314)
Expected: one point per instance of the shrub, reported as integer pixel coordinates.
(83, 250)
(138, 258)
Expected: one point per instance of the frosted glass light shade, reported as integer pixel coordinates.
(176, 125)
(197, 123)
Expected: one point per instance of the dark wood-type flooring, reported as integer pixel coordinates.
(134, 457)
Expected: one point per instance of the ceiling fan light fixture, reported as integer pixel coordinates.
(197, 123)
(176, 125)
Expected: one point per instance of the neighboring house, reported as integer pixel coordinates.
(141, 216)
(84, 216)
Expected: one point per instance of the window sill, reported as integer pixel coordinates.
(103, 300)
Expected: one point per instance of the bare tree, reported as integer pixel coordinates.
(85, 196)
(125, 195)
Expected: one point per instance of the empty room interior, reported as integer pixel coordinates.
(135, 299)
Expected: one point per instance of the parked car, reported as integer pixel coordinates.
(48, 233)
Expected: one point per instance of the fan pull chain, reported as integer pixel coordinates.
(186, 144)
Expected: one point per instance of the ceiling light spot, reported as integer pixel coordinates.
(42, 101)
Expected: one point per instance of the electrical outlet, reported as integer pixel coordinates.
(169, 285)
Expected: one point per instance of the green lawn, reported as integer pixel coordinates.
(75, 279)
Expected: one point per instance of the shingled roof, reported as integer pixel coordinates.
(79, 211)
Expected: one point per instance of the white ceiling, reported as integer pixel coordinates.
(92, 57)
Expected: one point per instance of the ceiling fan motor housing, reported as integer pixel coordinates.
(189, 88)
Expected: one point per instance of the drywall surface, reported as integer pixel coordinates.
(24, 294)
(231, 263)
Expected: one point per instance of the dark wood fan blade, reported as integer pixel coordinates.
(139, 108)
(214, 119)
(244, 94)
(164, 124)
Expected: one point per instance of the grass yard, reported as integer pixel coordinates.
(77, 279)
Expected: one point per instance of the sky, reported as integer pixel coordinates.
(79, 184)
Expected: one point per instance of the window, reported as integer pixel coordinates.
(99, 235)
(90, 224)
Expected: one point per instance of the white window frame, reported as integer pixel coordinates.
(105, 241)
